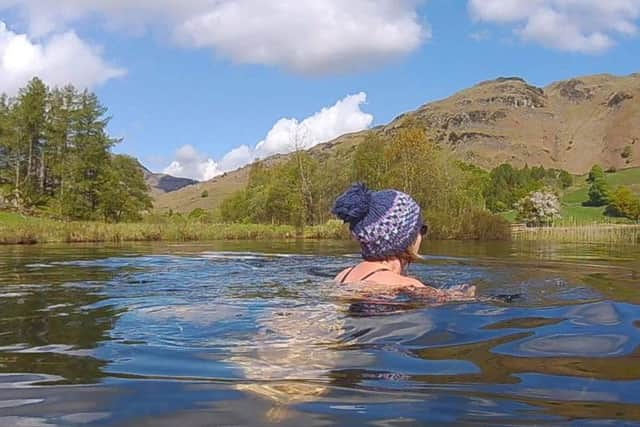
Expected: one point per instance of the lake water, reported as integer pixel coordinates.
(245, 333)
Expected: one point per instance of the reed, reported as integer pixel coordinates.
(41, 230)
(581, 233)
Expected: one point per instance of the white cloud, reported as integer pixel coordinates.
(285, 136)
(306, 36)
(189, 163)
(59, 60)
(585, 26)
(288, 134)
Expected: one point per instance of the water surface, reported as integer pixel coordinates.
(246, 333)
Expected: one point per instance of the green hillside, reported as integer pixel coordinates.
(572, 199)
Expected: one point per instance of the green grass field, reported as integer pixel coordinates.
(572, 210)
(573, 197)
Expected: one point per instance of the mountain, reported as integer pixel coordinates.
(570, 124)
(160, 183)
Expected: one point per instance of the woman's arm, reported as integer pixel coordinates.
(454, 293)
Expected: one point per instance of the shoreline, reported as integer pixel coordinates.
(42, 231)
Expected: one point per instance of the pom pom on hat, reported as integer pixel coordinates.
(353, 205)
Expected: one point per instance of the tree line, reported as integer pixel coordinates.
(56, 159)
(508, 185)
(302, 189)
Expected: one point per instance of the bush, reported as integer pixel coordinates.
(626, 152)
(483, 225)
(199, 215)
(204, 194)
(623, 203)
(538, 208)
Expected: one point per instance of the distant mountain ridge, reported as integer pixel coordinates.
(160, 183)
(570, 124)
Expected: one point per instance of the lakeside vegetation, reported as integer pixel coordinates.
(56, 158)
(17, 229)
(581, 233)
(301, 190)
(60, 182)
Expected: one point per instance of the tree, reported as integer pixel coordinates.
(30, 110)
(599, 189)
(623, 203)
(370, 164)
(596, 173)
(55, 156)
(538, 208)
(123, 191)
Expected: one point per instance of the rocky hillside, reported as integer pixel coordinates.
(569, 124)
(160, 183)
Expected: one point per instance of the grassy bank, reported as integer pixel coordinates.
(580, 233)
(15, 229)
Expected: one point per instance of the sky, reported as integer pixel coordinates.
(199, 87)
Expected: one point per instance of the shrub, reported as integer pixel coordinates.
(483, 225)
(538, 208)
(204, 194)
(199, 215)
(623, 203)
(626, 152)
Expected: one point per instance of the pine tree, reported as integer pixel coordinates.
(599, 189)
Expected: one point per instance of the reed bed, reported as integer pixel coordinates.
(49, 231)
(591, 233)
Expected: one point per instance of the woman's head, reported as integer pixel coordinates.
(387, 223)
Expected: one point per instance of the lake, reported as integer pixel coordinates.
(248, 333)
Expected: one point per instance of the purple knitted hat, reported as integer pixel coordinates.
(385, 222)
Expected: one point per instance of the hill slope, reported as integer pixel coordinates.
(569, 124)
(160, 183)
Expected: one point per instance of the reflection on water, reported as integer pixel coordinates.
(242, 333)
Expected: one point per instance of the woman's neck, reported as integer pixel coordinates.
(393, 264)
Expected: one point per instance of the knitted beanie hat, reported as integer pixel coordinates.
(385, 223)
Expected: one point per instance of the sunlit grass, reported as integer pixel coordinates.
(39, 230)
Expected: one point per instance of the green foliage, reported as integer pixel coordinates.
(507, 185)
(123, 192)
(627, 152)
(370, 164)
(297, 192)
(201, 215)
(204, 194)
(595, 174)
(56, 157)
(623, 203)
(301, 190)
(565, 178)
(599, 189)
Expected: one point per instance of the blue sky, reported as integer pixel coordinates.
(187, 82)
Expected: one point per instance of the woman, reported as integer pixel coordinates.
(389, 227)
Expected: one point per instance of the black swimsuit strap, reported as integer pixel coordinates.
(347, 275)
(374, 272)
